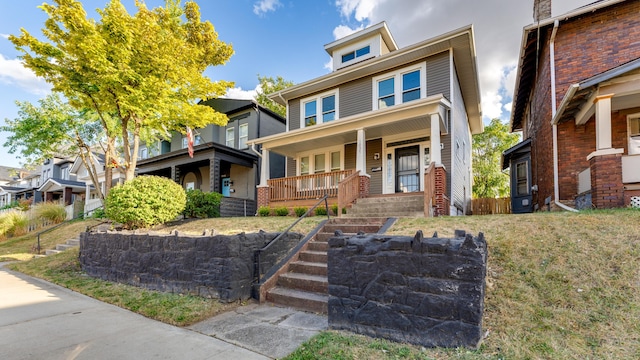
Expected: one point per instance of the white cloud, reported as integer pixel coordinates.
(13, 73)
(361, 9)
(329, 64)
(6, 36)
(343, 30)
(264, 6)
(239, 93)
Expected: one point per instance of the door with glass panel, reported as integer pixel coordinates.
(408, 169)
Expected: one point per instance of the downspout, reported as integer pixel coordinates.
(556, 187)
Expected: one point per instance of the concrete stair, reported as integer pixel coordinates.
(304, 286)
(399, 205)
(71, 243)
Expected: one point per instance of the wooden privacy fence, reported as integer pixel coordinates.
(488, 206)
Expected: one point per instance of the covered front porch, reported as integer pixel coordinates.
(609, 104)
(383, 152)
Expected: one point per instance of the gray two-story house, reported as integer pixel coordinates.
(222, 159)
(386, 122)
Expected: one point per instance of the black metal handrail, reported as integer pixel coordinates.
(258, 252)
(81, 216)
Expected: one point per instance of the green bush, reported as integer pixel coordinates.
(145, 201)
(98, 214)
(50, 211)
(11, 205)
(321, 211)
(13, 223)
(264, 211)
(281, 211)
(334, 209)
(202, 205)
(300, 210)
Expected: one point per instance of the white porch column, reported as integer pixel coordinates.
(264, 168)
(603, 127)
(436, 150)
(361, 153)
(603, 122)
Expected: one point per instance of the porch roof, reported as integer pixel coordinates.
(408, 117)
(522, 147)
(53, 184)
(579, 96)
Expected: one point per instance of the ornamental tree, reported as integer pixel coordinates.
(269, 85)
(142, 74)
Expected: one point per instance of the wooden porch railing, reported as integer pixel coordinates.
(429, 190)
(348, 190)
(306, 186)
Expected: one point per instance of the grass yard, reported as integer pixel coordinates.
(559, 286)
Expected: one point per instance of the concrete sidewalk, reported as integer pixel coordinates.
(40, 320)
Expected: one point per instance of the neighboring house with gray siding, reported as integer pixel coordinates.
(387, 116)
(223, 161)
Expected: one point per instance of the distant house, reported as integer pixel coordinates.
(18, 184)
(381, 124)
(223, 161)
(90, 197)
(577, 103)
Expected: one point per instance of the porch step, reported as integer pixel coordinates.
(389, 206)
(305, 285)
(71, 243)
(305, 300)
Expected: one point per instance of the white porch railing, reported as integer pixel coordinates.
(91, 205)
(630, 169)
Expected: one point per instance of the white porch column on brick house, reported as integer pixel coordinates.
(436, 150)
(264, 168)
(361, 153)
(603, 127)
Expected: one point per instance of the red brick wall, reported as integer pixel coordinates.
(263, 196)
(442, 201)
(584, 46)
(606, 182)
(365, 186)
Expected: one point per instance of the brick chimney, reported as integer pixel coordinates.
(541, 10)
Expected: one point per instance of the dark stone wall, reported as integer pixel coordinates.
(218, 266)
(424, 291)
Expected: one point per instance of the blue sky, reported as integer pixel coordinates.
(287, 38)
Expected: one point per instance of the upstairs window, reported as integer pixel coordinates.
(244, 136)
(356, 54)
(320, 109)
(399, 87)
(144, 153)
(231, 137)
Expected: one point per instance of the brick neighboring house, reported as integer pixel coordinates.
(577, 102)
(386, 122)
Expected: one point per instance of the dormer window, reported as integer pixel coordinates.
(356, 54)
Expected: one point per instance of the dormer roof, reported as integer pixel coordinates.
(380, 28)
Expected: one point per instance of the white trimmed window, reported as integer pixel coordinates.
(320, 162)
(230, 137)
(319, 109)
(144, 153)
(244, 136)
(399, 87)
(197, 139)
(352, 55)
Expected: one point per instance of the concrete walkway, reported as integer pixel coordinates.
(39, 320)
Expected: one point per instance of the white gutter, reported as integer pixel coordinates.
(253, 148)
(556, 187)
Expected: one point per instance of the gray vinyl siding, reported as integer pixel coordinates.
(355, 97)
(291, 167)
(374, 146)
(294, 114)
(349, 156)
(461, 166)
(269, 125)
(438, 70)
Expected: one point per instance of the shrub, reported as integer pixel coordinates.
(13, 223)
(145, 201)
(281, 211)
(24, 204)
(202, 205)
(98, 214)
(300, 210)
(50, 211)
(11, 205)
(334, 209)
(264, 211)
(321, 211)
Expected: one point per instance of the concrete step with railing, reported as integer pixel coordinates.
(71, 243)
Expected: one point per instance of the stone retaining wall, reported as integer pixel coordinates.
(217, 266)
(424, 291)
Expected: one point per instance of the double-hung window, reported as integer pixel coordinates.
(230, 137)
(399, 87)
(320, 109)
(244, 136)
(356, 53)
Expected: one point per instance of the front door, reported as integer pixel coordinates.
(226, 187)
(521, 197)
(408, 169)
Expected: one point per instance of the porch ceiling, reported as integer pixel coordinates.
(411, 117)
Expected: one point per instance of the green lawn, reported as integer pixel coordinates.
(559, 286)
